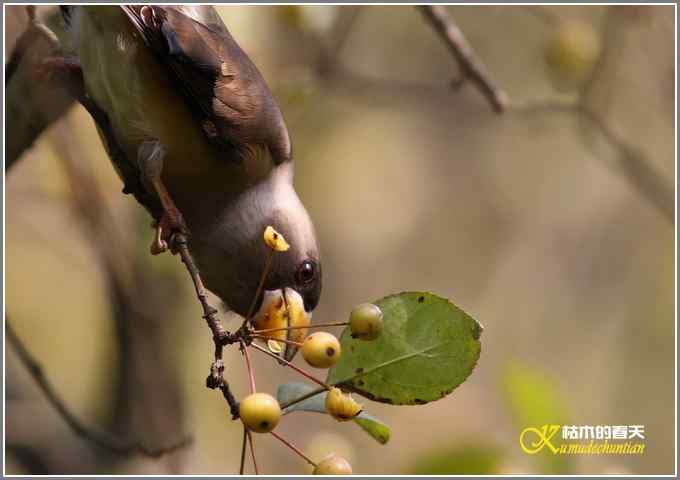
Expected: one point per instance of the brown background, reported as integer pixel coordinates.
(522, 220)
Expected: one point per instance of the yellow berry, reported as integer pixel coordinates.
(572, 53)
(333, 465)
(260, 412)
(366, 321)
(341, 406)
(275, 240)
(321, 350)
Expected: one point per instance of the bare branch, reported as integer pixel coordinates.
(139, 339)
(99, 438)
(143, 362)
(471, 67)
(337, 38)
(209, 312)
(638, 170)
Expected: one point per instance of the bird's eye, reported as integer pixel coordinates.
(306, 272)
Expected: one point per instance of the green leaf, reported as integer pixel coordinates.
(428, 347)
(290, 391)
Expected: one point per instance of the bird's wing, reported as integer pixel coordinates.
(221, 84)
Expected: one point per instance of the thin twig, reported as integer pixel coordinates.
(252, 451)
(251, 374)
(231, 400)
(297, 327)
(220, 335)
(288, 364)
(260, 286)
(283, 340)
(337, 38)
(243, 451)
(471, 67)
(640, 172)
(636, 167)
(293, 448)
(102, 439)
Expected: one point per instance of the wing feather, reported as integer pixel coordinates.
(222, 86)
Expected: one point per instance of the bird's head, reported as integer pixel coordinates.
(232, 256)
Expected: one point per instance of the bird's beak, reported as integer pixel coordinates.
(283, 321)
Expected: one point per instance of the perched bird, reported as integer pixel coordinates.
(202, 144)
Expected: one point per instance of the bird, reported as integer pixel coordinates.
(196, 135)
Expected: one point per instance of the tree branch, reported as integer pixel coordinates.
(471, 67)
(147, 404)
(638, 170)
(99, 438)
(331, 48)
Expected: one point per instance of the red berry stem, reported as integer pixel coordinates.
(317, 325)
(263, 278)
(251, 375)
(291, 342)
(288, 364)
(293, 448)
(243, 451)
(252, 451)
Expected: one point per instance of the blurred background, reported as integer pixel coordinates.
(555, 231)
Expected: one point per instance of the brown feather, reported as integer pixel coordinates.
(223, 87)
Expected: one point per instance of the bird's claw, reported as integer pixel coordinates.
(158, 244)
(170, 231)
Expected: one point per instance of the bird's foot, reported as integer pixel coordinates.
(150, 157)
(158, 244)
(170, 224)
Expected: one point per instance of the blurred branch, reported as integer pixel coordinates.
(142, 356)
(337, 38)
(30, 110)
(101, 439)
(147, 395)
(147, 404)
(471, 67)
(637, 168)
(640, 172)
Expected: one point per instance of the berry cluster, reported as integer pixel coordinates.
(261, 412)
